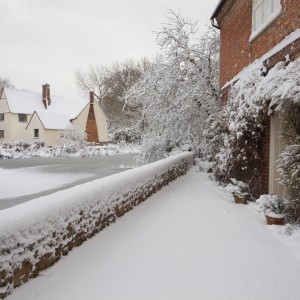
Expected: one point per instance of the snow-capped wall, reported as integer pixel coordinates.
(35, 234)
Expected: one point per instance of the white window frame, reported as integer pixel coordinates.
(36, 130)
(1, 117)
(274, 9)
(1, 130)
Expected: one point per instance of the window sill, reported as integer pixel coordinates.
(262, 28)
(36, 138)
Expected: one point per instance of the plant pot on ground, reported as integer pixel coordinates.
(241, 198)
(239, 189)
(273, 207)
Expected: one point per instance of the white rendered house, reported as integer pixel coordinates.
(38, 117)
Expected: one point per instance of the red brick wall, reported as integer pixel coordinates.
(235, 21)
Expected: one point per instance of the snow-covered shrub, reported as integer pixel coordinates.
(271, 204)
(129, 135)
(289, 161)
(17, 145)
(237, 187)
(241, 125)
(235, 134)
(37, 150)
(73, 139)
(287, 100)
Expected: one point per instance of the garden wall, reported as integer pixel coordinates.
(36, 234)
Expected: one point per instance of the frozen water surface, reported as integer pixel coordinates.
(26, 179)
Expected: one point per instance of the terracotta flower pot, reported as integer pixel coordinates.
(274, 220)
(240, 198)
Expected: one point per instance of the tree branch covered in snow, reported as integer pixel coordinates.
(179, 89)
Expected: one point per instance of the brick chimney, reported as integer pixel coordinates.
(91, 97)
(91, 124)
(46, 95)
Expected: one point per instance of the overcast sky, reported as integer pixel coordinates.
(47, 40)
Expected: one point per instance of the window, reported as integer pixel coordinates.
(1, 117)
(22, 117)
(1, 134)
(36, 133)
(263, 13)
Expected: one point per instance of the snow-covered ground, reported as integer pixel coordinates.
(188, 241)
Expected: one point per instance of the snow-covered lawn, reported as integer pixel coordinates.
(188, 241)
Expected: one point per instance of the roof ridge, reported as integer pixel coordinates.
(17, 90)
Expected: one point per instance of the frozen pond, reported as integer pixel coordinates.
(26, 179)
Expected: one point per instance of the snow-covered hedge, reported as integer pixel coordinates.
(35, 234)
(23, 149)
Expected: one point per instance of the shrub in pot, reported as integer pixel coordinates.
(273, 207)
(239, 189)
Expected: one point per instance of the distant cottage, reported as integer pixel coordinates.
(38, 117)
(264, 32)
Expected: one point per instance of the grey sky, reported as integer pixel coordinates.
(47, 40)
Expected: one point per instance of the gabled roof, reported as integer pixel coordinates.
(27, 102)
(53, 120)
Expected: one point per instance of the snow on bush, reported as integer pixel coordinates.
(23, 149)
(234, 135)
(129, 135)
(73, 139)
(271, 205)
(237, 187)
(42, 226)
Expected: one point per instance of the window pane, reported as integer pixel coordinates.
(276, 4)
(257, 18)
(256, 3)
(36, 133)
(1, 117)
(22, 118)
(266, 10)
(1, 133)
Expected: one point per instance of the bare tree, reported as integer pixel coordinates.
(92, 80)
(110, 85)
(6, 83)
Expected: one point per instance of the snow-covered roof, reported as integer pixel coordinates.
(27, 102)
(54, 120)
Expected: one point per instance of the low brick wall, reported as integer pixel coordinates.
(28, 247)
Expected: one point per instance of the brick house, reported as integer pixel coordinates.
(39, 117)
(258, 31)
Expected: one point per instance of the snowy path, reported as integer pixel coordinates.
(188, 241)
